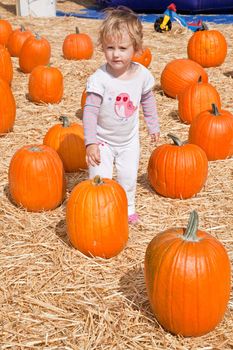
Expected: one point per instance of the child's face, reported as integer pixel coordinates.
(119, 52)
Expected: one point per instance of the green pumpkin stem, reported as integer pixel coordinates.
(76, 30)
(97, 180)
(192, 227)
(35, 149)
(215, 109)
(175, 139)
(37, 36)
(65, 121)
(204, 26)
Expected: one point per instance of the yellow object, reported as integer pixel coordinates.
(163, 25)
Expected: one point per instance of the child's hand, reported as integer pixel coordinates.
(93, 154)
(155, 137)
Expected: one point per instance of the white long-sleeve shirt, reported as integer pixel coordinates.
(111, 112)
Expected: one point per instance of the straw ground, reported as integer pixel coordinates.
(53, 297)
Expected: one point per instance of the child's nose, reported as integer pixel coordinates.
(116, 53)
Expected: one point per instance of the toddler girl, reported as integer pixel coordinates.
(114, 94)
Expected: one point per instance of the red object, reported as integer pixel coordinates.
(172, 7)
(198, 24)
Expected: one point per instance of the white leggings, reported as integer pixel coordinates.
(126, 160)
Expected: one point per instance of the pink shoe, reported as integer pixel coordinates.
(133, 218)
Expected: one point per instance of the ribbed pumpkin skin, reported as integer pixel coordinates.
(36, 178)
(188, 283)
(7, 108)
(195, 99)
(16, 40)
(35, 51)
(214, 134)
(77, 46)
(68, 142)
(5, 31)
(144, 58)
(177, 171)
(180, 73)
(6, 67)
(208, 48)
(97, 218)
(45, 85)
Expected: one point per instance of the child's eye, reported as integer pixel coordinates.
(122, 48)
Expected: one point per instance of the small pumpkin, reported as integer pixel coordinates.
(5, 31)
(178, 74)
(17, 39)
(207, 47)
(36, 178)
(187, 275)
(195, 99)
(212, 130)
(97, 217)
(144, 57)
(45, 84)
(35, 51)
(7, 108)
(6, 66)
(77, 46)
(68, 140)
(178, 170)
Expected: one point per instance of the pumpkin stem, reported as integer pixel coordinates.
(22, 28)
(76, 30)
(200, 79)
(37, 36)
(191, 229)
(215, 110)
(175, 139)
(35, 149)
(97, 180)
(65, 121)
(204, 26)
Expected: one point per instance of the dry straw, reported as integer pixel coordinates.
(51, 296)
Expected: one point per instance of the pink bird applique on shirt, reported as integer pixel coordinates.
(124, 108)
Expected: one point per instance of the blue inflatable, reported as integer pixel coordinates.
(183, 6)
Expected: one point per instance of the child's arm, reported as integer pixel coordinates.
(150, 114)
(90, 117)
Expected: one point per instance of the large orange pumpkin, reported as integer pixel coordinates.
(178, 170)
(17, 39)
(97, 217)
(212, 130)
(35, 51)
(5, 31)
(7, 108)
(6, 67)
(45, 84)
(77, 46)
(36, 178)
(187, 275)
(207, 47)
(68, 140)
(144, 57)
(178, 74)
(195, 99)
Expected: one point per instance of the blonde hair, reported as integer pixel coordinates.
(116, 21)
